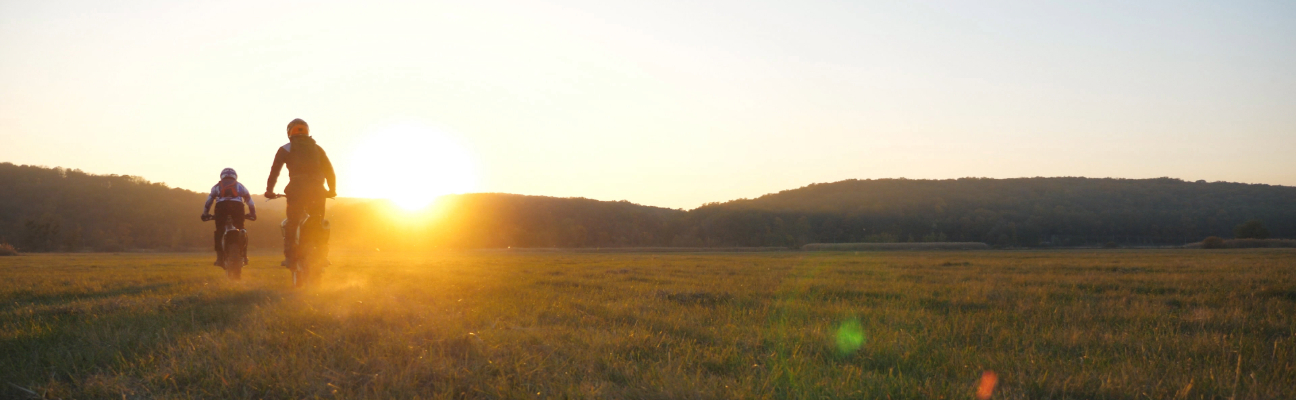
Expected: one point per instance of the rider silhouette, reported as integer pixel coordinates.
(229, 196)
(308, 169)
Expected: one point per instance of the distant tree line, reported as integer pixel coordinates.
(1000, 212)
(55, 209)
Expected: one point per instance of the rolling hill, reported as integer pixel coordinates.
(1006, 212)
(55, 209)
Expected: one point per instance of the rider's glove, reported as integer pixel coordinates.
(332, 194)
(206, 217)
(250, 217)
(269, 194)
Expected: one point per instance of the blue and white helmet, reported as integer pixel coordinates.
(229, 173)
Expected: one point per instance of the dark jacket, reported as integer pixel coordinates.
(308, 167)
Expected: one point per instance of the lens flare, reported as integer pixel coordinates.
(850, 337)
(986, 387)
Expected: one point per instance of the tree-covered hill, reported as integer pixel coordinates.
(54, 209)
(49, 209)
(57, 209)
(1008, 212)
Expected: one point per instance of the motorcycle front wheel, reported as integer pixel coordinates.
(300, 274)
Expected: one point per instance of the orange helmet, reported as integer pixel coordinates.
(305, 129)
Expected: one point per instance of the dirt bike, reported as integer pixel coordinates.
(310, 247)
(233, 246)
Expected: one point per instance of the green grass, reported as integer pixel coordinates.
(1058, 324)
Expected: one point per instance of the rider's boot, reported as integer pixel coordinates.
(220, 259)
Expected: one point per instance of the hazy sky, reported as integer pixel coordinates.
(662, 103)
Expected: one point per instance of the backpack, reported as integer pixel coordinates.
(228, 190)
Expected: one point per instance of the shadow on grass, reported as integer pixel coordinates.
(22, 299)
(49, 348)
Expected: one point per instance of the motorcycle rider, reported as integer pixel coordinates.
(308, 169)
(229, 196)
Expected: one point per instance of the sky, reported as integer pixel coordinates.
(664, 103)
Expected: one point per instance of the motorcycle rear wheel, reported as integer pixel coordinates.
(234, 261)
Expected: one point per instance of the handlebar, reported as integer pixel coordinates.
(209, 217)
(273, 196)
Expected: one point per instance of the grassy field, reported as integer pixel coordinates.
(1118, 324)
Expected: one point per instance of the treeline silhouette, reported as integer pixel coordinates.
(1001, 212)
(55, 209)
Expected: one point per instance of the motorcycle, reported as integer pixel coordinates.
(233, 246)
(310, 247)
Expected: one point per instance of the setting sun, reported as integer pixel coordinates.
(411, 165)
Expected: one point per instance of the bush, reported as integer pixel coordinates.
(1213, 242)
(7, 249)
(1252, 229)
(1217, 243)
(1258, 243)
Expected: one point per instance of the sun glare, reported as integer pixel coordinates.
(410, 165)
